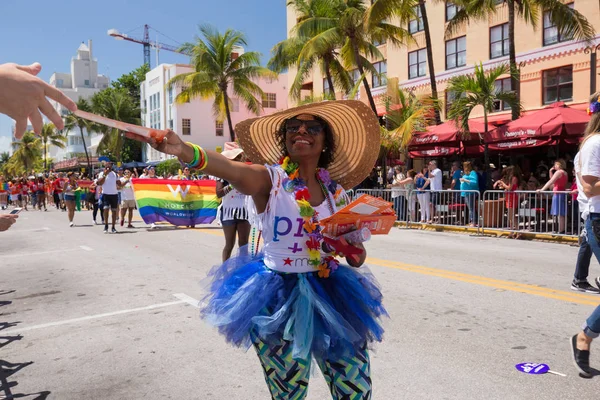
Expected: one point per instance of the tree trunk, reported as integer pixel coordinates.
(486, 154)
(361, 71)
(228, 114)
(329, 81)
(87, 157)
(512, 56)
(433, 83)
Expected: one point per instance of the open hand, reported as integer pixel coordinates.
(23, 96)
(6, 221)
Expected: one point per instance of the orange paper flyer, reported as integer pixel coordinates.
(367, 211)
(123, 126)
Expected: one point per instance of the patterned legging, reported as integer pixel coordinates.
(287, 378)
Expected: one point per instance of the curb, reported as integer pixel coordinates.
(483, 232)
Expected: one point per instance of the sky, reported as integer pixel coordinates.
(50, 32)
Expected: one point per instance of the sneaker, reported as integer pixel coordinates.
(581, 358)
(113, 230)
(130, 226)
(94, 222)
(71, 224)
(597, 280)
(153, 226)
(585, 287)
(106, 229)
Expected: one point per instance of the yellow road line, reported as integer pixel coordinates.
(571, 297)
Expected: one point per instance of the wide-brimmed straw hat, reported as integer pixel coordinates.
(355, 130)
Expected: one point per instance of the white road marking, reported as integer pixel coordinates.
(86, 248)
(39, 253)
(187, 299)
(90, 317)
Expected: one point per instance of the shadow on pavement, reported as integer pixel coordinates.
(8, 369)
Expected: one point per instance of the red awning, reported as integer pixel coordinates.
(436, 151)
(447, 136)
(552, 121)
(522, 143)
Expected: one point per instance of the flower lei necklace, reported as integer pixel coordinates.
(294, 184)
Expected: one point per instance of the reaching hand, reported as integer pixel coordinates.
(23, 96)
(6, 221)
(171, 144)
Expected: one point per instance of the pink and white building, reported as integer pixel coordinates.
(195, 121)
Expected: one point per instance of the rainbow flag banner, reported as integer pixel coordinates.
(177, 202)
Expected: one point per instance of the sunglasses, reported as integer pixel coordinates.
(313, 127)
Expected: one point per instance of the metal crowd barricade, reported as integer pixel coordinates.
(555, 213)
(446, 207)
(449, 207)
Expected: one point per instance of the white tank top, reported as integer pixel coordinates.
(282, 226)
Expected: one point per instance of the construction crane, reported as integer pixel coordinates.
(146, 42)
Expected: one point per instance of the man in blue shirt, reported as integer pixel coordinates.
(456, 174)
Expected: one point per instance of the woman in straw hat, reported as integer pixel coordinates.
(294, 301)
(233, 212)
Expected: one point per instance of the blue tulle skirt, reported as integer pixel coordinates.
(323, 317)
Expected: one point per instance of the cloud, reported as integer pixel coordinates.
(5, 144)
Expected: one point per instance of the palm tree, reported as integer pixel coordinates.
(115, 104)
(304, 53)
(72, 121)
(569, 22)
(357, 26)
(410, 11)
(218, 66)
(53, 137)
(27, 151)
(476, 90)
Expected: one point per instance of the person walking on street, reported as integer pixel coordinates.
(295, 302)
(435, 178)
(587, 167)
(399, 193)
(469, 184)
(110, 195)
(69, 196)
(233, 212)
(422, 187)
(41, 194)
(127, 198)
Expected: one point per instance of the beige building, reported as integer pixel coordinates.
(553, 68)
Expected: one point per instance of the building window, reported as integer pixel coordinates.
(269, 100)
(170, 124)
(502, 85)
(417, 63)
(416, 25)
(59, 83)
(450, 97)
(499, 41)
(235, 105)
(171, 95)
(354, 76)
(157, 100)
(551, 32)
(86, 83)
(219, 128)
(379, 42)
(498, 2)
(380, 78)
(326, 89)
(558, 84)
(451, 10)
(186, 126)
(456, 52)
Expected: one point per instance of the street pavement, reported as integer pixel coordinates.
(85, 315)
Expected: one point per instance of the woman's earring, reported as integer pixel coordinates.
(323, 151)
